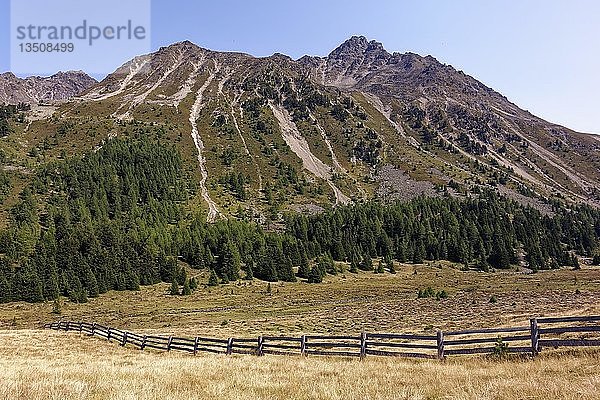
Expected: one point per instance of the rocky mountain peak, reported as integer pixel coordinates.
(358, 47)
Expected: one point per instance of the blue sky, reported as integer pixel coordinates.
(543, 55)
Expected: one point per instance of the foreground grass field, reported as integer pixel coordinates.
(38, 364)
(346, 303)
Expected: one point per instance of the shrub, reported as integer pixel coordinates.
(500, 348)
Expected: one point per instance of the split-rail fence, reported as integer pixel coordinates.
(539, 334)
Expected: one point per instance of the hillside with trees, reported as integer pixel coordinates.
(117, 218)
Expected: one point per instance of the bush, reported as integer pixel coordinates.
(430, 292)
(500, 348)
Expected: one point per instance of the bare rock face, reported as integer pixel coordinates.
(32, 90)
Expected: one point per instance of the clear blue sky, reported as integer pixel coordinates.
(543, 55)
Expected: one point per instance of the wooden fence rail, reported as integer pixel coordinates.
(547, 332)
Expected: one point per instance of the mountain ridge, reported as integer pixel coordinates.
(33, 89)
(358, 123)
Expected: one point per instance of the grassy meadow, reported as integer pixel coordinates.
(37, 364)
(43, 364)
(346, 303)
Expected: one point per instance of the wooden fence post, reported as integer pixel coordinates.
(259, 349)
(535, 337)
(68, 325)
(196, 340)
(80, 327)
(303, 345)
(363, 345)
(124, 342)
(108, 335)
(229, 346)
(93, 329)
(169, 343)
(440, 345)
(143, 342)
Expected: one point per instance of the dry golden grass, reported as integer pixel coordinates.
(57, 365)
(342, 304)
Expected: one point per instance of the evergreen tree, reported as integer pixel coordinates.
(5, 291)
(230, 262)
(174, 290)
(212, 279)
(366, 263)
(304, 268)
(315, 275)
(390, 266)
(193, 283)
(286, 273)
(419, 253)
(186, 291)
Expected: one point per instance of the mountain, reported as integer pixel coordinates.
(31, 90)
(262, 135)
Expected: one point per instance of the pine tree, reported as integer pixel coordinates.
(354, 264)
(212, 279)
(390, 266)
(367, 263)
(401, 251)
(304, 268)
(379, 269)
(230, 262)
(174, 290)
(5, 292)
(186, 291)
(286, 273)
(315, 275)
(193, 283)
(31, 289)
(419, 253)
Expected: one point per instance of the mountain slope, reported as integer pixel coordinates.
(261, 135)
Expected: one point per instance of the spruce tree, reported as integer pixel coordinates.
(390, 266)
(419, 253)
(212, 279)
(5, 291)
(286, 273)
(31, 290)
(315, 275)
(366, 263)
(304, 268)
(174, 290)
(186, 291)
(193, 283)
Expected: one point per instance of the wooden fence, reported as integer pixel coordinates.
(539, 334)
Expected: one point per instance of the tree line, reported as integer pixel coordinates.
(116, 219)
